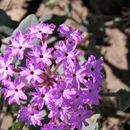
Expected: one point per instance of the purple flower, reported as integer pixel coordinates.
(92, 93)
(40, 97)
(72, 36)
(58, 109)
(78, 99)
(30, 115)
(63, 90)
(41, 29)
(42, 54)
(54, 126)
(76, 74)
(31, 72)
(13, 91)
(77, 36)
(65, 54)
(49, 126)
(79, 117)
(19, 43)
(6, 67)
(65, 30)
(53, 78)
(94, 67)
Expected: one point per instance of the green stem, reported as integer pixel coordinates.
(21, 127)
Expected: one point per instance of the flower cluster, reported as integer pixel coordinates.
(50, 79)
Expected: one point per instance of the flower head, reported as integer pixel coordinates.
(50, 79)
(6, 67)
(30, 115)
(19, 43)
(31, 72)
(14, 91)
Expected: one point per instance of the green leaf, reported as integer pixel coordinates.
(3, 47)
(124, 99)
(17, 126)
(93, 123)
(5, 30)
(29, 20)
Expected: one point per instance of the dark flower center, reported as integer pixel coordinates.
(31, 72)
(41, 56)
(70, 42)
(73, 75)
(59, 108)
(66, 54)
(90, 91)
(6, 68)
(79, 115)
(61, 91)
(20, 47)
(77, 96)
(92, 69)
(32, 114)
(42, 95)
(16, 90)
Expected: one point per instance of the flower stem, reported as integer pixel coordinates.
(21, 127)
